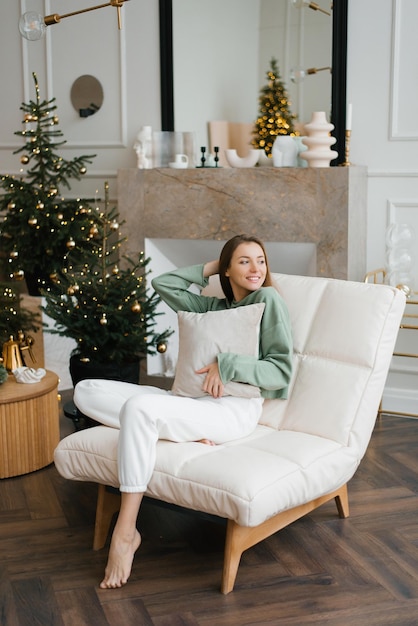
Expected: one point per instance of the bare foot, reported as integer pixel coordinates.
(207, 442)
(119, 563)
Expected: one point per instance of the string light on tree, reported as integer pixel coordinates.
(275, 117)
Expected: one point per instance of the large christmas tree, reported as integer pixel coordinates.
(275, 117)
(39, 225)
(105, 307)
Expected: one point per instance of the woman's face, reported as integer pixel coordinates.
(247, 270)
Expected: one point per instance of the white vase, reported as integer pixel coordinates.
(319, 141)
(285, 151)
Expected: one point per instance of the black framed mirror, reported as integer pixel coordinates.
(339, 71)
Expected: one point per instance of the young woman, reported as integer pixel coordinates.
(145, 414)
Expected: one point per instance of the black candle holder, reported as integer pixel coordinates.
(203, 158)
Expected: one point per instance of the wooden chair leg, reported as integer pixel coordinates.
(108, 504)
(341, 500)
(240, 538)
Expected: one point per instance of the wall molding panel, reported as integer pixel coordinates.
(404, 69)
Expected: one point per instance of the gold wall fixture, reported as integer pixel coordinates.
(32, 25)
(298, 74)
(299, 4)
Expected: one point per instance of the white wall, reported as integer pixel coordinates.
(126, 62)
(382, 85)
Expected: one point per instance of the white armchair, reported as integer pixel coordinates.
(305, 449)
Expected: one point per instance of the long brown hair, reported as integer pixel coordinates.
(225, 261)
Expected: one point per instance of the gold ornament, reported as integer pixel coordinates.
(11, 205)
(40, 205)
(24, 159)
(114, 225)
(136, 307)
(14, 254)
(32, 221)
(94, 231)
(103, 320)
(83, 170)
(54, 277)
(115, 270)
(70, 244)
(19, 275)
(162, 347)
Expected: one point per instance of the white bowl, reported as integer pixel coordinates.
(248, 161)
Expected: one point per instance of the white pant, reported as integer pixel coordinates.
(145, 414)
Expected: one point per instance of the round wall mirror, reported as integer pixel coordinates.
(86, 95)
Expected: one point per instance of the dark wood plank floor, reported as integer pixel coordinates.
(321, 570)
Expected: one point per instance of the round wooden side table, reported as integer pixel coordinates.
(29, 425)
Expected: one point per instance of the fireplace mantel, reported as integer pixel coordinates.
(324, 206)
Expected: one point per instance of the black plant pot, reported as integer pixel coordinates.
(126, 372)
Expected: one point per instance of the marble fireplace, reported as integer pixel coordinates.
(313, 220)
(325, 207)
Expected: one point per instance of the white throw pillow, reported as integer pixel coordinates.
(202, 336)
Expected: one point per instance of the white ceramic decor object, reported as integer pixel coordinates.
(285, 151)
(319, 141)
(248, 161)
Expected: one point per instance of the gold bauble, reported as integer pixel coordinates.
(136, 307)
(162, 347)
(54, 277)
(70, 244)
(19, 275)
(11, 205)
(32, 221)
(94, 231)
(103, 320)
(40, 205)
(71, 290)
(114, 225)
(14, 254)
(24, 159)
(83, 170)
(115, 270)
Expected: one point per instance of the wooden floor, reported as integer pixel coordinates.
(321, 570)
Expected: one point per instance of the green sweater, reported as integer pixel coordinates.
(271, 372)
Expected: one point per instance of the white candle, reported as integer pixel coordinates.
(349, 117)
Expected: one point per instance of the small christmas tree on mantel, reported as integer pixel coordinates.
(275, 117)
(106, 308)
(39, 225)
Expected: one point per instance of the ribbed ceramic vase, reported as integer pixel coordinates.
(319, 141)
